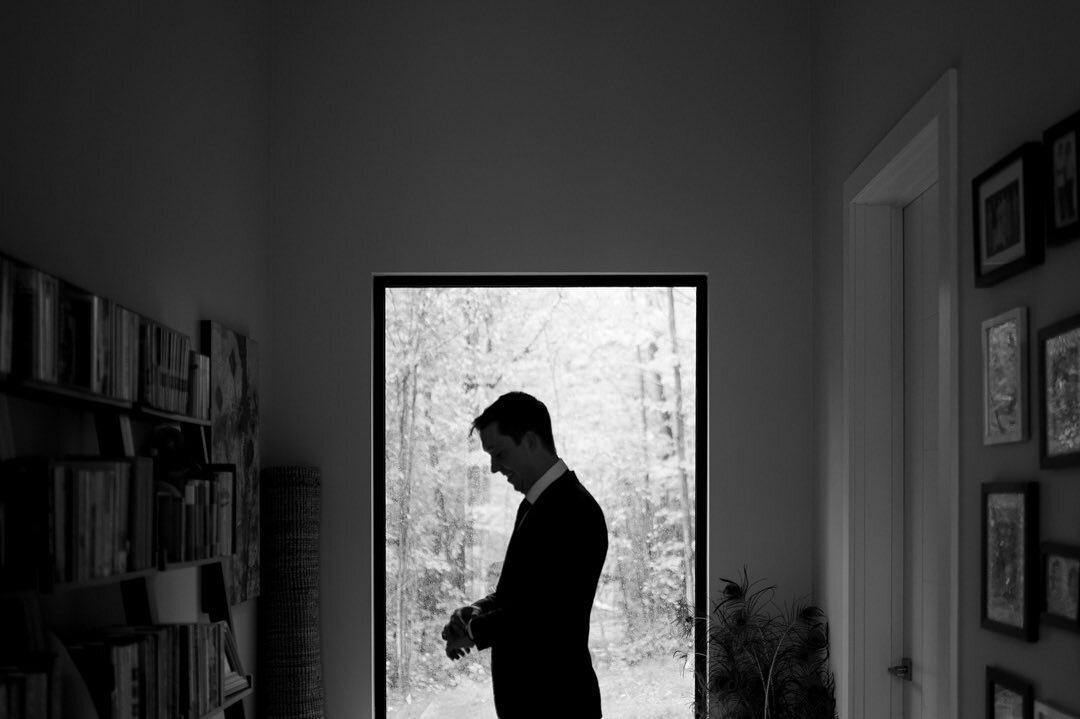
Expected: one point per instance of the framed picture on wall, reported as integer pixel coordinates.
(1004, 352)
(1008, 696)
(1061, 585)
(1045, 711)
(1063, 194)
(1008, 222)
(1059, 394)
(1010, 558)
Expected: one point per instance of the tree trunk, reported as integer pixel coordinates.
(407, 428)
(680, 448)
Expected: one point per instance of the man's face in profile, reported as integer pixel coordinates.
(515, 461)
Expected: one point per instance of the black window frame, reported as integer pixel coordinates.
(382, 282)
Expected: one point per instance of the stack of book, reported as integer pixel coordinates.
(55, 332)
(234, 679)
(194, 518)
(164, 367)
(24, 694)
(86, 327)
(36, 310)
(27, 683)
(157, 672)
(94, 518)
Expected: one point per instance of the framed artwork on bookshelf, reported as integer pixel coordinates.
(1061, 585)
(1045, 711)
(1008, 696)
(1063, 197)
(1010, 555)
(1008, 222)
(1059, 388)
(1005, 401)
(234, 439)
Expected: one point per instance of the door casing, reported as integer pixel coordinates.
(919, 151)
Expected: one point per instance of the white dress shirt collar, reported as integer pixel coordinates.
(557, 470)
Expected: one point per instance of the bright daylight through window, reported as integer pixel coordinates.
(617, 368)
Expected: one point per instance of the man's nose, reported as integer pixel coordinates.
(494, 467)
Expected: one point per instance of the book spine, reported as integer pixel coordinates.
(7, 313)
(58, 522)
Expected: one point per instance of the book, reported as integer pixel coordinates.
(234, 679)
(85, 340)
(24, 493)
(123, 374)
(22, 625)
(164, 367)
(36, 319)
(141, 514)
(91, 518)
(7, 312)
(169, 528)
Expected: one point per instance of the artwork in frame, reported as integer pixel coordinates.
(1059, 394)
(1008, 222)
(1004, 352)
(1010, 558)
(1063, 193)
(234, 439)
(1045, 711)
(1061, 585)
(1008, 696)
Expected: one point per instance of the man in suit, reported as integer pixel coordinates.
(536, 622)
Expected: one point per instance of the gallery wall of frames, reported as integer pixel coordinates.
(1026, 208)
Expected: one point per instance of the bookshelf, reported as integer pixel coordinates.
(107, 491)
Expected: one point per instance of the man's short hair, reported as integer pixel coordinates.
(516, 414)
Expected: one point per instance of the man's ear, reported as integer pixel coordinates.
(531, 440)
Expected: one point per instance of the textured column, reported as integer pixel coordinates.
(289, 679)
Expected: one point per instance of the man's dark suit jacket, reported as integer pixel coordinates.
(537, 620)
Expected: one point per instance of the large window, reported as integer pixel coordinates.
(619, 361)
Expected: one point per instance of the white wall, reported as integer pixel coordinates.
(553, 136)
(133, 159)
(871, 62)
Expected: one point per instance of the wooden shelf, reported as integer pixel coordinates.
(85, 399)
(161, 414)
(61, 394)
(101, 581)
(234, 698)
(190, 563)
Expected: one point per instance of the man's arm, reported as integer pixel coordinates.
(458, 631)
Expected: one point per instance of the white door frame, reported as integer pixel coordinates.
(918, 151)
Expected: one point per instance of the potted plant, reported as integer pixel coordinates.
(764, 661)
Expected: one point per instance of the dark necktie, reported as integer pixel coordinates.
(523, 509)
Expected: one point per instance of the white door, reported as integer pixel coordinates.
(921, 502)
(899, 479)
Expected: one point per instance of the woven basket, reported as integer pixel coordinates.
(289, 679)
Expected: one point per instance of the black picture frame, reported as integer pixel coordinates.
(1004, 340)
(1010, 559)
(1009, 211)
(1059, 386)
(1062, 160)
(1061, 585)
(1008, 696)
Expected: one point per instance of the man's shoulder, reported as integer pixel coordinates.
(568, 490)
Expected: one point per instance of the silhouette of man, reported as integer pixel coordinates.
(536, 622)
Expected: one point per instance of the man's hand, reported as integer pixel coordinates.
(456, 633)
(457, 647)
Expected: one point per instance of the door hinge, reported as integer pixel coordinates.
(902, 670)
